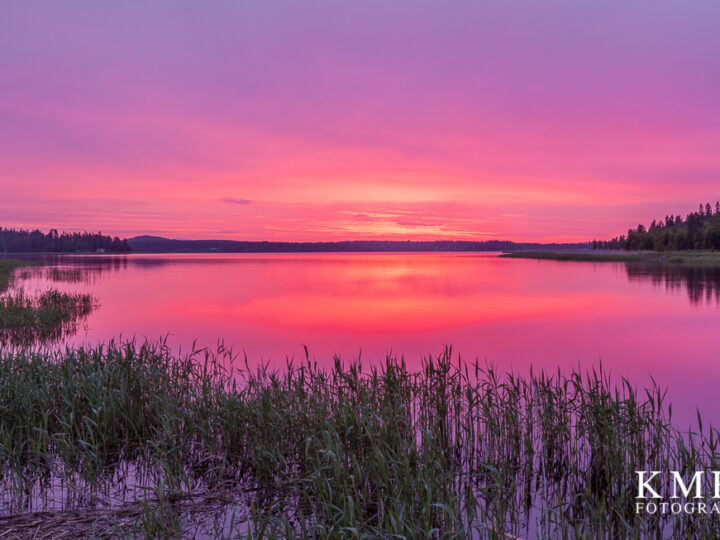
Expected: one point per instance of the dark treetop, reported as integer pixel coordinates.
(699, 230)
(22, 241)
(156, 244)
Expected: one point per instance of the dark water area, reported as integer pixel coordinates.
(638, 321)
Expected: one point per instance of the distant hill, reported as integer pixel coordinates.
(157, 244)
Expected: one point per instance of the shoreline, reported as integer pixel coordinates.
(710, 258)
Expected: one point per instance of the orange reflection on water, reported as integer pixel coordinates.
(513, 313)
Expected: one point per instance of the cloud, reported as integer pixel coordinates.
(414, 223)
(233, 200)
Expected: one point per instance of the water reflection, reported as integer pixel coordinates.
(72, 275)
(37, 315)
(636, 319)
(702, 283)
(44, 334)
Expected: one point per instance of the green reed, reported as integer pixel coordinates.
(452, 450)
(7, 270)
(43, 318)
(46, 317)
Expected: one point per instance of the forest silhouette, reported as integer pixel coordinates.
(697, 231)
(23, 241)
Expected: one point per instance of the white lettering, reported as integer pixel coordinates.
(678, 481)
(645, 485)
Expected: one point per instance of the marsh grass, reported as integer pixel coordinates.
(26, 319)
(683, 258)
(148, 443)
(7, 270)
(46, 317)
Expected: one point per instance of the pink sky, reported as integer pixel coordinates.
(550, 121)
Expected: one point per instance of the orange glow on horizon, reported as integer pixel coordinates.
(357, 122)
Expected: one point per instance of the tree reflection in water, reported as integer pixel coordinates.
(702, 283)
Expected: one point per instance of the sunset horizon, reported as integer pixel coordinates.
(359, 269)
(350, 236)
(369, 121)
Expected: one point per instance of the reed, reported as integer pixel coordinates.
(46, 317)
(7, 270)
(139, 441)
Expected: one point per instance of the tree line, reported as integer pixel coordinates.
(698, 230)
(156, 244)
(22, 241)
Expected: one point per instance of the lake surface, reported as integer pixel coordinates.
(513, 313)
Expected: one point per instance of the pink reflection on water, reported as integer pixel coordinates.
(511, 313)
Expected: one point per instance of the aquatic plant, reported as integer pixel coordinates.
(7, 269)
(27, 319)
(135, 439)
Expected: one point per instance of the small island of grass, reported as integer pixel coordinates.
(7, 267)
(25, 318)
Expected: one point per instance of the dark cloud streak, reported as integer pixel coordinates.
(233, 200)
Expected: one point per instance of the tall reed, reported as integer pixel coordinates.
(451, 450)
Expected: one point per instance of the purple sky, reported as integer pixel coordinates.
(340, 120)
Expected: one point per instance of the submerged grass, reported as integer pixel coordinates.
(142, 441)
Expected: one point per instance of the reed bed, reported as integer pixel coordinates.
(7, 271)
(128, 439)
(42, 318)
(25, 319)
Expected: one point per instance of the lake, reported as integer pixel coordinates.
(638, 321)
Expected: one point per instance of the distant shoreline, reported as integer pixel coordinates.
(662, 257)
(550, 253)
(155, 244)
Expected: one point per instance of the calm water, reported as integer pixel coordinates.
(639, 321)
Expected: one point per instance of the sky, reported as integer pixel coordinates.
(327, 120)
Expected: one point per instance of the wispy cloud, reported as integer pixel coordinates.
(414, 223)
(233, 200)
